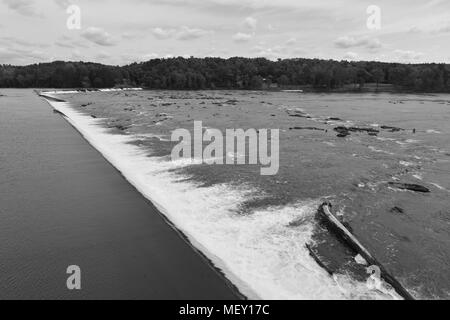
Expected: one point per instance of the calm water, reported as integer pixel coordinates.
(255, 227)
(62, 204)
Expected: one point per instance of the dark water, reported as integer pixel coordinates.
(408, 232)
(62, 204)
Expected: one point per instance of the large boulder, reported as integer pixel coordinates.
(409, 186)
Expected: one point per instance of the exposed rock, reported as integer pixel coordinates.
(298, 114)
(121, 128)
(368, 130)
(341, 129)
(343, 134)
(397, 210)
(410, 187)
(392, 129)
(345, 131)
(232, 101)
(306, 128)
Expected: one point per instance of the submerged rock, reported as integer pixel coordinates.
(410, 187)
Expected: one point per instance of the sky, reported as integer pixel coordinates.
(121, 32)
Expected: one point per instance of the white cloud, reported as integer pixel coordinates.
(162, 34)
(242, 37)
(23, 7)
(135, 27)
(351, 56)
(182, 33)
(21, 56)
(250, 23)
(7, 40)
(291, 41)
(98, 36)
(350, 42)
(63, 44)
(63, 4)
(186, 33)
(407, 55)
(68, 42)
(442, 29)
(272, 53)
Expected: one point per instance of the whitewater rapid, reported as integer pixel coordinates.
(260, 252)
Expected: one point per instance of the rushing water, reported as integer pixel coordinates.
(255, 227)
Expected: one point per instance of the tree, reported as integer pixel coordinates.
(283, 80)
(378, 75)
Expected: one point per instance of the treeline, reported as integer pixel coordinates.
(233, 73)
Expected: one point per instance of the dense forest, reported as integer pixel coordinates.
(233, 73)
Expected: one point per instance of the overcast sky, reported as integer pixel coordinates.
(120, 32)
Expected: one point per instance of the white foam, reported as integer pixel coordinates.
(160, 137)
(85, 91)
(438, 186)
(328, 143)
(119, 89)
(406, 163)
(379, 150)
(259, 252)
(385, 139)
